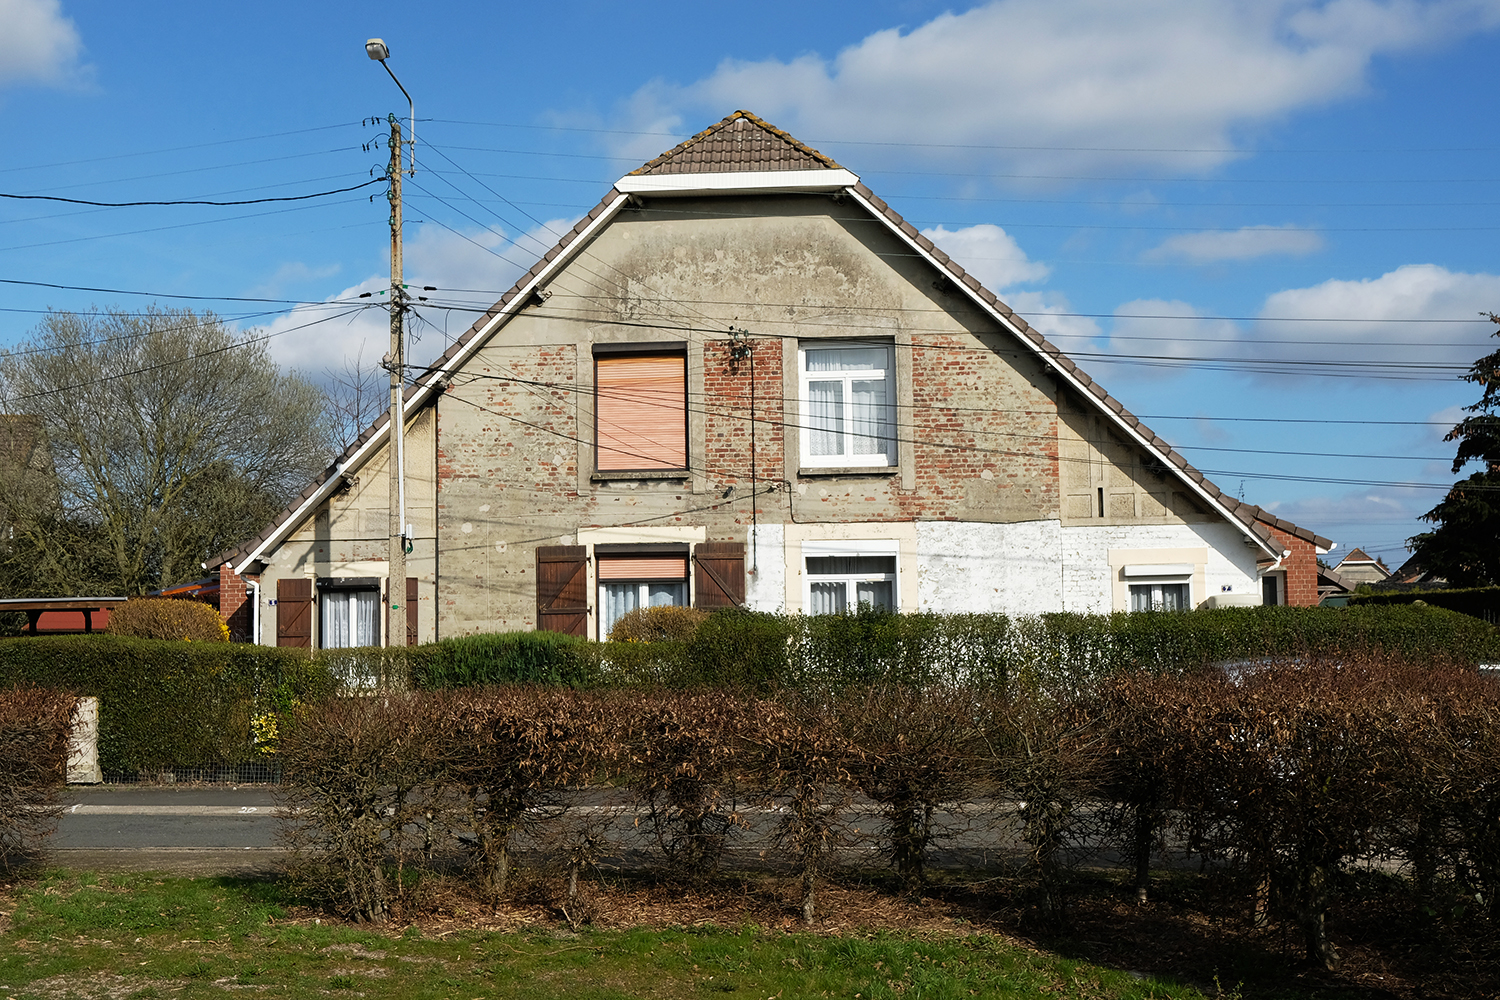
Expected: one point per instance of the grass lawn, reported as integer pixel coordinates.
(65, 935)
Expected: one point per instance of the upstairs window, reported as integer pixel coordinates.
(848, 405)
(641, 411)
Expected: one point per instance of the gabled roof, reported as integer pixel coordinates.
(1354, 556)
(740, 143)
(736, 155)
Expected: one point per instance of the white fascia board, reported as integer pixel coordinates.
(426, 388)
(1064, 374)
(744, 181)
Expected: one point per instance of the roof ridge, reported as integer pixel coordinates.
(741, 115)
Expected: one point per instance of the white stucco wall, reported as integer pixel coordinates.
(1089, 583)
(972, 566)
(765, 553)
(1028, 567)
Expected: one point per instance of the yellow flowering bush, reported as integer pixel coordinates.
(167, 618)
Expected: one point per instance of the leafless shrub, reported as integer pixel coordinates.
(34, 724)
(1045, 755)
(354, 771)
(916, 748)
(682, 752)
(797, 751)
(513, 750)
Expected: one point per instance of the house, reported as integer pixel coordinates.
(1358, 568)
(743, 378)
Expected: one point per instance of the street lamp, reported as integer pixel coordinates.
(395, 361)
(376, 49)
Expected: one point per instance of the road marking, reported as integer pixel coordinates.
(83, 809)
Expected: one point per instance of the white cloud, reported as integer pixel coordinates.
(1373, 319)
(990, 254)
(1159, 332)
(1120, 79)
(1047, 311)
(467, 270)
(38, 44)
(1240, 244)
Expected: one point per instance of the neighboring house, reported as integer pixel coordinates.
(1358, 568)
(742, 378)
(1413, 574)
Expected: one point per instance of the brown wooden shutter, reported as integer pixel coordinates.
(562, 584)
(411, 611)
(721, 574)
(641, 411)
(294, 613)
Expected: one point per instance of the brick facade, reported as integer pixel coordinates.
(234, 606)
(1301, 569)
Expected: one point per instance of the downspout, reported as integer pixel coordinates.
(255, 612)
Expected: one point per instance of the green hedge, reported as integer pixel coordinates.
(501, 658)
(167, 703)
(760, 652)
(1479, 602)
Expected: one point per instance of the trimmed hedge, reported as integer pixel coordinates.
(1480, 602)
(163, 703)
(171, 704)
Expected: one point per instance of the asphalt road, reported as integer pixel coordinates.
(211, 829)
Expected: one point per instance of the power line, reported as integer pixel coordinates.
(170, 295)
(219, 204)
(176, 149)
(1030, 147)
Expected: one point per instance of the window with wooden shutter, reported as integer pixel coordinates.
(294, 613)
(562, 587)
(635, 576)
(641, 411)
(721, 574)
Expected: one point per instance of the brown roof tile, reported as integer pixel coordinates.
(739, 143)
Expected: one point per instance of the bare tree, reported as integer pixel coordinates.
(171, 436)
(357, 393)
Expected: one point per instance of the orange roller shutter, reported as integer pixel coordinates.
(642, 412)
(642, 568)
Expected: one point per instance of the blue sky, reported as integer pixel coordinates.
(1267, 227)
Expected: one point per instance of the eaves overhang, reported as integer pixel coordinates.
(739, 182)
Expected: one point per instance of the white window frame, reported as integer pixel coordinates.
(1158, 576)
(874, 548)
(887, 374)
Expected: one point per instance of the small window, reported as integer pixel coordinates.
(837, 584)
(1159, 597)
(349, 612)
(641, 411)
(848, 406)
(647, 580)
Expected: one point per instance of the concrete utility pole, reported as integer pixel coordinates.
(377, 50)
(396, 464)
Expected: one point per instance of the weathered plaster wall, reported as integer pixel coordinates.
(968, 566)
(348, 534)
(991, 500)
(1092, 584)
